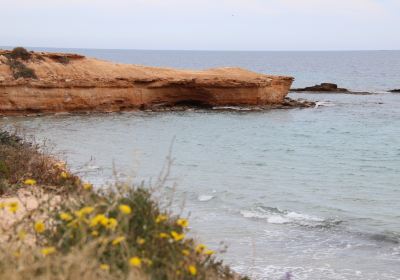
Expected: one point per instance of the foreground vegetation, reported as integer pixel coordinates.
(53, 226)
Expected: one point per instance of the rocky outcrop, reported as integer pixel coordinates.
(73, 83)
(395, 90)
(324, 87)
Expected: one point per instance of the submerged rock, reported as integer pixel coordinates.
(324, 87)
(74, 83)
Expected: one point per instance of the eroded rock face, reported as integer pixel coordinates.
(73, 83)
(324, 87)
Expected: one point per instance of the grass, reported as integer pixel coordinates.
(75, 232)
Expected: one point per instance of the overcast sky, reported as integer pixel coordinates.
(202, 24)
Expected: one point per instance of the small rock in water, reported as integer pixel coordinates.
(324, 87)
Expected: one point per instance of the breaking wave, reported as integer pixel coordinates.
(276, 216)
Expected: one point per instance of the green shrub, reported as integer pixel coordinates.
(62, 59)
(9, 139)
(3, 169)
(20, 70)
(20, 52)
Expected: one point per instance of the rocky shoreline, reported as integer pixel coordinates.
(288, 103)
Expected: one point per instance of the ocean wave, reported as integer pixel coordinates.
(276, 216)
(204, 197)
(323, 103)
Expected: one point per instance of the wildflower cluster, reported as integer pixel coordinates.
(126, 231)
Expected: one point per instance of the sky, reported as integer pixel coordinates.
(202, 24)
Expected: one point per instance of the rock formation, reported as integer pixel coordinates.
(57, 82)
(324, 87)
(395, 90)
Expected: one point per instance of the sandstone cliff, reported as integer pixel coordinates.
(73, 83)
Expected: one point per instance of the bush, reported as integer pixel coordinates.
(9, 139)
(20, 52)
(21, 160)
(122, 233)
(62, 59)
(20, 70)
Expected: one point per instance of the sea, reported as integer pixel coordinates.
(289, 193)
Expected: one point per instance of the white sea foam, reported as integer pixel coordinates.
(233, 108)
(323, 103)
(205, 197)
(276, 216)
(304, 217)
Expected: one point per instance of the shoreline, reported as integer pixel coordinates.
(288, 103)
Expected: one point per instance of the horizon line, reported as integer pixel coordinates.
(201, 50)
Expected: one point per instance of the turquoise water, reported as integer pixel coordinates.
(314, 193)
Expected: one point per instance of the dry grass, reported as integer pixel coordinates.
(20, 161)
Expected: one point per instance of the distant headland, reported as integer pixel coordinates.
(43, 82)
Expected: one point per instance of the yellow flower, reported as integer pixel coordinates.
(64, 175)
(163, 235)
(87, 186)
(65, 216)
(98, 219)
(2, 205)
(111, 224)
(13, 207)
(182, 222)
(84, 211)
(209, 252)
(185, 252)
(48, 251)
(200, 248)
(161, 218)
(125, 209)
(95, 233)
(118, 240)
(135, 261)
(177, 236)
(192, 270)
(30, 182)
(39, 227)
(140, 241)
(104, 267)
(22, 234)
